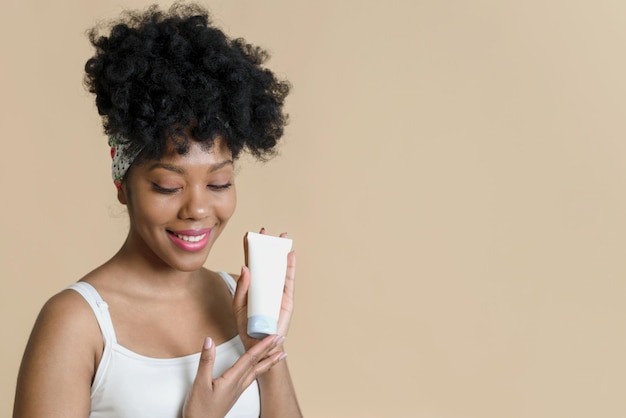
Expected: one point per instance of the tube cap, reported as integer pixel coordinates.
(260, 326)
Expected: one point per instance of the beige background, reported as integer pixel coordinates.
(454, 178)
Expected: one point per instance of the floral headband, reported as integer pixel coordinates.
(122, 160)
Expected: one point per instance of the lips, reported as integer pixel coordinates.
(190, 240)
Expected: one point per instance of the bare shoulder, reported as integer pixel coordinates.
(59, 361)
(69, 312)
(67, 324)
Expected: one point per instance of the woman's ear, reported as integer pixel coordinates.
(121, 194)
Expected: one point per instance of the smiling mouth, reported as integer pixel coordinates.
(191, 238)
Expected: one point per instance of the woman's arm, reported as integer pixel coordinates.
(59, 362)
(278, 396)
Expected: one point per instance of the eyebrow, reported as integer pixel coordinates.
(180, 170)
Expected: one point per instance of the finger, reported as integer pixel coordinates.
(291, 272)
(204, 376)
(291, 269)
(240, 299)
(290, 279)
(247, 363)
(261, 350)
(263, 367)
(263, 231)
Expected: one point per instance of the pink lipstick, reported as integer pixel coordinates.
(190, 240)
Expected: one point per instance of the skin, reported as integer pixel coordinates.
(151, 277)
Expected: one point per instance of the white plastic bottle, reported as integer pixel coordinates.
(267, 261)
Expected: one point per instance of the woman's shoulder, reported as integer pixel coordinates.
(66, 318)
(68, 315)
(62, 348)
(66, 333)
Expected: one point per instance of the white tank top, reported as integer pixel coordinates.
(129, 385)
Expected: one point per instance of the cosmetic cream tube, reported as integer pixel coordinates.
(267, 261)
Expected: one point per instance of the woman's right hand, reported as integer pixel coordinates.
(213, 398)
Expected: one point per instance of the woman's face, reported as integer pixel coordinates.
(179, 205)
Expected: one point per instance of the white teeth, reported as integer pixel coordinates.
(190, 238)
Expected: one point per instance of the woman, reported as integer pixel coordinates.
(180, 102)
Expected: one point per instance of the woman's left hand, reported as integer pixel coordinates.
(240, 300)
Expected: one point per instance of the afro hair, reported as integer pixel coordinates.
(162, 75)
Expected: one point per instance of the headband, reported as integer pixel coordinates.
(122, 159)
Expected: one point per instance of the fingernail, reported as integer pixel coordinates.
(282, 357)
(208, 343)
(279, 339)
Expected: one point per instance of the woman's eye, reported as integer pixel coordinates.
(165, 190)
(218, 187)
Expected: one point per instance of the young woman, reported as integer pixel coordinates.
(151, 332)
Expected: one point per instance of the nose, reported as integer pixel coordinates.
(196, 204)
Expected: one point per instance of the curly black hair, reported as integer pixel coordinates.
(159, 75)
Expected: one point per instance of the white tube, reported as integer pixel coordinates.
(267, 261)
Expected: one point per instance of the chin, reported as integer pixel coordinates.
(178, 260)
(189, 264)
(188, 269)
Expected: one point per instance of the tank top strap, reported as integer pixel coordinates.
(100, 309)
(230, 282)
